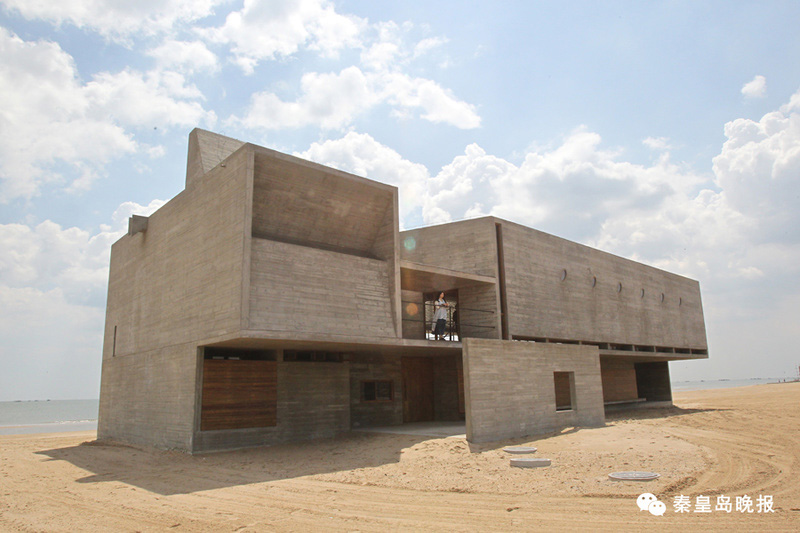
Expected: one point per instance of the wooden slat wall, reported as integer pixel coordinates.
(417, 389)
(619, 380)
(239, 394)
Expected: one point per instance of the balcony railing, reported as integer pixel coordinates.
(454, 324)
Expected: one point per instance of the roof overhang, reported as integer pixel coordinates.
(428, 278)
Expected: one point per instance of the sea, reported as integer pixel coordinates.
(48, 416)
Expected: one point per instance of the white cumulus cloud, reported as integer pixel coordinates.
(328, 100)
(51, 118)
(657, 143)
(115, 19)
(758, 169)
(360, 154)
(53, 283)
(268, 29)
(755, 88)
(185, 56)
(334, 101)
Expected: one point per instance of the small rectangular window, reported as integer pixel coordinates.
(377, 391)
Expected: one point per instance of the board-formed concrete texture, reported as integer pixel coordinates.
(511, 388)
(275, 299)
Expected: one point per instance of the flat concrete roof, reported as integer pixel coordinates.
(429, 278)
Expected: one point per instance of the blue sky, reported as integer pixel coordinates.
(666, 132)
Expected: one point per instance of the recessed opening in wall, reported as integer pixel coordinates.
(565, 390)
(680, 301)
(662, 297)
(619, 287)
(594, 281)
(563, 274)
(114, 345)
(642, 293)
(238, 354)
(377, 391)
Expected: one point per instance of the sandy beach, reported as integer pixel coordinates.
(725, 442)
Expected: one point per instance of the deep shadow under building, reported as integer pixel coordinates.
(275, 299)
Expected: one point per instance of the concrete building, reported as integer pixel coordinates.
(275, 299)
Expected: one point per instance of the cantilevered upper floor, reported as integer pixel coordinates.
(264, 245)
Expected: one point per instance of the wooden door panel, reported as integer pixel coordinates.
(417, 389)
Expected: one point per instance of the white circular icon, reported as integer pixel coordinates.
(644, 501)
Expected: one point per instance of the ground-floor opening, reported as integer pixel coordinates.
(629, 382)
(433, 388)
(249, 396)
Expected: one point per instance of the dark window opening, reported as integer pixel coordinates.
(377, 391)
(114, 345)
(309, 356)
(565, 390)
(238, 354)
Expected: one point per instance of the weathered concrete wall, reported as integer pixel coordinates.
(413, 315)
(375, 367)
(325, 252)
(181, 280)
(468, 246)
(169, 287)
(311, 291)
(148, 398)
(510, 388)
(478, 313)
(313, 402)
(387, 247)
(300, 202)
(207, 150)
(541, 304)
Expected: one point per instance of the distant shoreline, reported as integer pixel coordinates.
(711, 384)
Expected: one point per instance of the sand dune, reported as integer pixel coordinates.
(728, 442)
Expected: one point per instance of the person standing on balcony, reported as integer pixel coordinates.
(440, 317)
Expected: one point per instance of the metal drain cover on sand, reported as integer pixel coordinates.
(634, 476)
(519, 449)
(529, 462)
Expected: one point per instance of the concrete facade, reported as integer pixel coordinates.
(518, 397)
(299, 271)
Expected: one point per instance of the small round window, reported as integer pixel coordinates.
(563, 274)
(619, 287)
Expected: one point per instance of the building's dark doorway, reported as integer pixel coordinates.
(417, 389)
